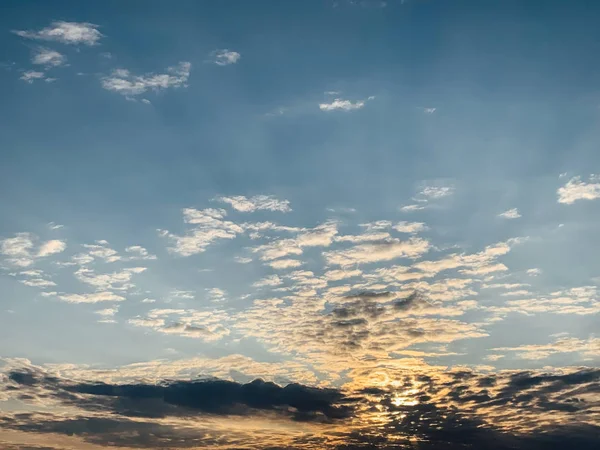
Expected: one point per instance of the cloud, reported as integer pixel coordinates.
(66, 33)
(575, 190)
(281, 264)
(510, 214)
(205, 325)
(138, 252)
(225, 57)
(341, 105)
(120, 281)
(256, 203)
(586, 347)
(410, 208)
(123, 82)
(534, 272)
(95, 297)
(51, 247)
(190, 398)
(31, 75)
(436, 192)
(209, 226)
(242, 260)
(49, 58)
(55, 226)
(410, 227)
(271, 280)
(379, 251)
(20, 249)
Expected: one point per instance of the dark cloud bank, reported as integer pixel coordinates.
(453, 412)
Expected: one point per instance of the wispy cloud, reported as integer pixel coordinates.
(510, 214)
(51, 247)
(49, 58)
(123, 82)
(576, 189)
(339, 104)
(30, 76)
(225, 57)
(258, 202)
(66, 33)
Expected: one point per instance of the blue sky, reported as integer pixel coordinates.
(317, 192)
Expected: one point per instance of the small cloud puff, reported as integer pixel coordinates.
(66, 33)
(225, 57)
(510, 214)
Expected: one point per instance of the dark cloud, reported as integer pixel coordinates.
(211, 396)
(427, 411)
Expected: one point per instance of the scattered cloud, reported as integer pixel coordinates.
(280, 264)
(51, 247)
(138, 252)
(55, 226)
(242, 260)
(410, 227)
(510, 214)
(49, 58)
(269, 281)
(209, 225)
(256, 203)
(30, 76)
(123, 82)
(534, 272)
(339, 104)
(576, 189)
(225, 57)
(95, 297)
(411, 208)
(380, 251)
(66, 33)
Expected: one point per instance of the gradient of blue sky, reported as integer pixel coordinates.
(483, 115)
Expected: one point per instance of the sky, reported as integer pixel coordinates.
(319, 224)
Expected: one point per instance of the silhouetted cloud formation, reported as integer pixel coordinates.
(459, 409)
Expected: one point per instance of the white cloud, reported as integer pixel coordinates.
(429, 110)
(51, 247)
(381, 251)
(435, 192)
(31, 75)
(216, 294)
(48, 57)
(38, 282)
(575, 189)
(210, 226)
(367, 237)
(510, 214)
(410, 227)
(95, 297)
(124, 83)
(258, 202)
(280, 264)
(534, 272)
(410, 208)
(66, 33)
(17, 246)
(139, 252)
(98, 250)
(341, 105)
(114, 281)
(271, 280)
(108, 312)
(55, 226)
(225, 57)
(337, 275)
(242, 260)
